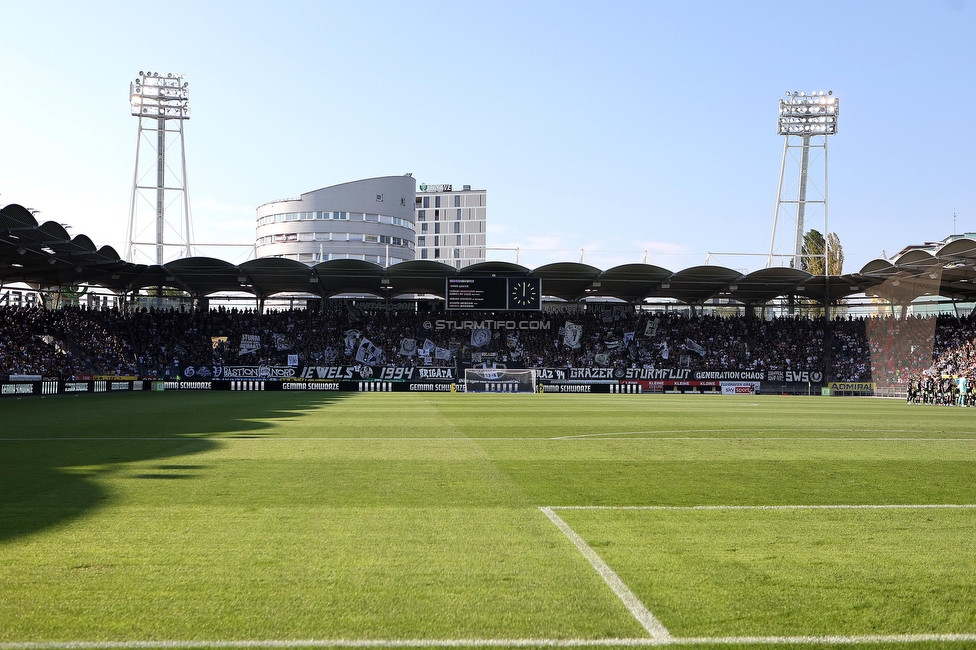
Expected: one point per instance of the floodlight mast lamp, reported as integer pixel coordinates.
(806, 121)
(159, 98)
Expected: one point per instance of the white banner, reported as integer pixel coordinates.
(480, 337)
(651, 330)
(351, 337)
(249, 343)
(281, 342)
(573, 334)
(369, 354)
(694, 347)
(665, 351)
(408, 347)
(740, 387)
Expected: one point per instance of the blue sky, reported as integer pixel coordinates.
(615, 128)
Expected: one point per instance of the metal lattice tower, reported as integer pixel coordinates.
(806, 121)
(159, 100)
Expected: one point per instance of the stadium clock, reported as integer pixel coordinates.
(478, 293)
(523, 294)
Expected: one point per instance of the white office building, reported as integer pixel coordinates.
(370, 219)
(450, 224)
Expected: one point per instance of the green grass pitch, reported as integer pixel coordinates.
(377, 520)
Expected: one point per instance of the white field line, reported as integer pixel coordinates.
(827, 640)
(637, 433)
(892, 506)
(609, 436)
(637, 609)
(489, 643)
(593, 437)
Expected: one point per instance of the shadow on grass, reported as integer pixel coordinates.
(52, 449)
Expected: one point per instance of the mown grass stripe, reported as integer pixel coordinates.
(874, 639)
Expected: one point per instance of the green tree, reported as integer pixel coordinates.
(813, 253)
(835, 255)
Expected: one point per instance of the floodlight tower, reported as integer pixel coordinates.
(159, 99)
(806, 120)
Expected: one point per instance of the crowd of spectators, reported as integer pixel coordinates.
(78, 342)
(27, 348)
(948, 378)
(900, 346)
(928, 354)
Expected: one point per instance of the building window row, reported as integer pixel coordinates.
(435, 253)
(424, 201)
(451, 200)
(448, 215)
(456, 228)
(283, 238)
(333, 216)
(438, 240)
(325, 257)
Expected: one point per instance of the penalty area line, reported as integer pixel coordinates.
(633, 604)
(654, 433)
(892, 506)
(870, 639)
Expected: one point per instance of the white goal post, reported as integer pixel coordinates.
(499, 380)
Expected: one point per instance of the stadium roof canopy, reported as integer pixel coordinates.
(45, 256)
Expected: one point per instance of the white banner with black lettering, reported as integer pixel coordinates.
(740, 387)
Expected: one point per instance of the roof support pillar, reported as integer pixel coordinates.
(826, 290)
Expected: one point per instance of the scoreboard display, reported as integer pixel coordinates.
(497, 294)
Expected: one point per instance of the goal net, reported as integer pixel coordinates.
(499, 380)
